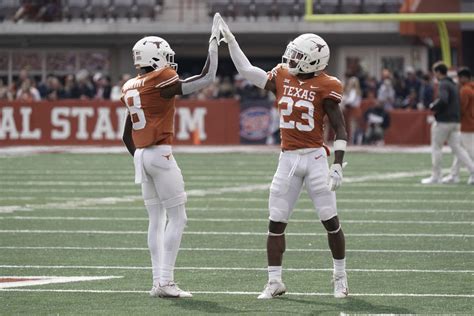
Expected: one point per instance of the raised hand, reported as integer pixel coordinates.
(215, 31)
(226, 33)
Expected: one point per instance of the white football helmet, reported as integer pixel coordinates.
(309, 52)
(153, 51)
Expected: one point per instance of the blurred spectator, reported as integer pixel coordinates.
(386, 94)
(370, 87)
(54, 90)
(5, 93)
(116, 92)
(410, 101)
(28, 10)
(28, 92)
(49, 11)
(102, 87)
(247, 91)
(377, 120)
(226, 88)
(38, 10)
(446, 128)
(296, 11)
(51, 89)
(466, 94)
(22, 76)
(398, 83)
(230, 10)
(426, 93)
(84, 89)
(210, 92)
(251, 12)
(412, 84)
(274, 11)
(69, 86)
(351, 106)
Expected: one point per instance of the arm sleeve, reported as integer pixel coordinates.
(194, 85)
(253, 74)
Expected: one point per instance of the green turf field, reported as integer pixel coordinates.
(410, 247)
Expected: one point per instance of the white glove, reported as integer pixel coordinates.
(215, 31)
(226, 33)
(335, 176)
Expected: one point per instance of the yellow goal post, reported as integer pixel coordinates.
(439, 18)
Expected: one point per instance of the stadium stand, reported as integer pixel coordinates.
(51, 10)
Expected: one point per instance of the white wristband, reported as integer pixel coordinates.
(340, 144)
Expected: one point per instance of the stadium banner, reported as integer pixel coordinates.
(100, 123)
(408, 127)
(255, 121)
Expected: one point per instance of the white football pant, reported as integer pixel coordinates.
(447, 132)
(295, 168)
(467, 141)
(162, 189)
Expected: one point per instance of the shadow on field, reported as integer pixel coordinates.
(349, 305)
(200, 306)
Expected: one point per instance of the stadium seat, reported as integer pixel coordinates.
(350, 6)
(246, 8)
(98, 9)
(74, 9)
(392, 6)
(372, 6)
(148, 8)
(122, 9)
(291, 8)
(263, 7)
(326, 6)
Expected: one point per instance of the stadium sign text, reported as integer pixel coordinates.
(93, 123)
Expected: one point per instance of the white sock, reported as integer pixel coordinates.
(339, 266)
(156, 231)
(274, 273)
(173, 233)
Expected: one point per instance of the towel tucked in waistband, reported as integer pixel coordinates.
(140, 175)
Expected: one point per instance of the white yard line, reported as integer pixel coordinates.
(239, 249)
(72, 203)
(225, 233)
(78, 202)
(112, 184)
(231, 220)
(43, 280)
(5, 266)
(107, 208)
(364, 199)
(438, 193)
(440, 295)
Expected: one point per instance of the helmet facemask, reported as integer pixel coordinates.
(293, 55)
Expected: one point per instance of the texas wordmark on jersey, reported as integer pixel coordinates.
(300, 104)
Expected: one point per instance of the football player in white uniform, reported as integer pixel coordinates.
(148, 135)
(305, 94)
